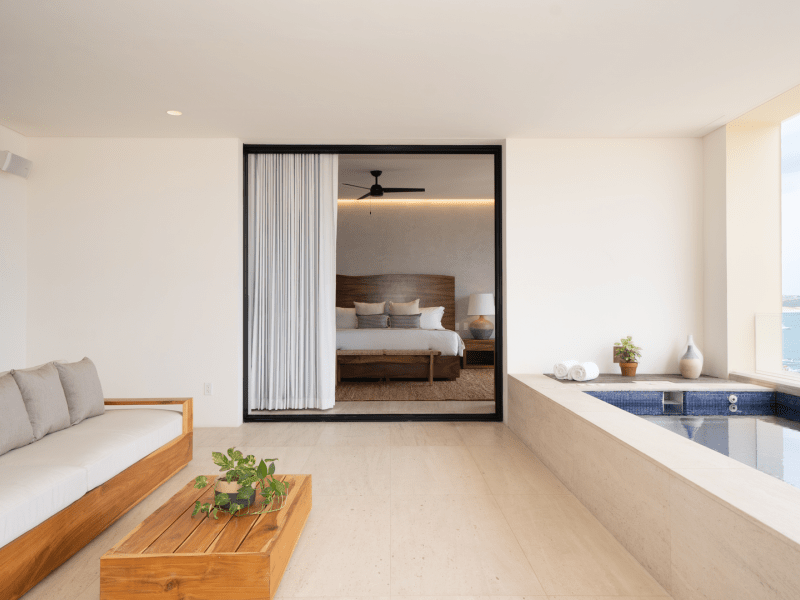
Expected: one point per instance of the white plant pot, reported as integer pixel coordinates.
(231, 488)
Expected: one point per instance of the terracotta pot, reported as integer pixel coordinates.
(231, 488)
(628, 369)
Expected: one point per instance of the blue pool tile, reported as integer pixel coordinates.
(638, 403)
(716, 403)
(787, 406)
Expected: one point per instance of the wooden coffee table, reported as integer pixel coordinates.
(174, 555)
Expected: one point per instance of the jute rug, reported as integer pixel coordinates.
(472, 384)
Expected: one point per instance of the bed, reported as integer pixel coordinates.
(432, 290)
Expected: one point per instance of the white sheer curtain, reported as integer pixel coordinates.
(292, 280)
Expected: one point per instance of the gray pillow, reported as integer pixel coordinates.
(82, 389)
(373, 321)
(44, 399)
(405, 321)
(15, 428)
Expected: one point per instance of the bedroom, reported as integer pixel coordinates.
(415, 286)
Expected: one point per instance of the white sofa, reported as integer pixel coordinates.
(63, 466)
(61, 490)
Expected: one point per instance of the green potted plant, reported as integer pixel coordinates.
(628, 355)
(242, 484)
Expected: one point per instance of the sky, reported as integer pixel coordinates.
(790, 204)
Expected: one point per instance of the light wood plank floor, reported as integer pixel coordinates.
(411, 509)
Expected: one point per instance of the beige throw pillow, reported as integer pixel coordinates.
(366, 308)
(82, 389)
(346, 318)
(404, 308)
(15, 427)
(44, 399)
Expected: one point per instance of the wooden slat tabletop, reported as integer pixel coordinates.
(172, 530)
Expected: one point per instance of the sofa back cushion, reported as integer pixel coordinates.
(82, 389)
(44, 399)
(15, 427)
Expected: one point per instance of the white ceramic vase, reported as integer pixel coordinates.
(692, 361)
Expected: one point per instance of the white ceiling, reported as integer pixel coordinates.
(444, 176)
(375, 70)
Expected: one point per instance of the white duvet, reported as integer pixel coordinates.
(445, 341)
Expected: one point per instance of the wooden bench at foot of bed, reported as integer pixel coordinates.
(386, 357)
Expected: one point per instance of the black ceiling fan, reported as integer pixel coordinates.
(378, 190)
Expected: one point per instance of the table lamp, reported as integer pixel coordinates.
(480, 305)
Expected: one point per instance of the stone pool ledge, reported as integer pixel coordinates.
(703, 524)
(617, 383)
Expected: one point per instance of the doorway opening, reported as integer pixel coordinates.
(418, 284)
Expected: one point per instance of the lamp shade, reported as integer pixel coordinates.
(481, 304)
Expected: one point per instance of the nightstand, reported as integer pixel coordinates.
(478, 354)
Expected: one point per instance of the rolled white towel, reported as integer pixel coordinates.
(584, 371)
(561, 370)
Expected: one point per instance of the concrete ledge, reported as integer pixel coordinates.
(787, 384)
(703, 524)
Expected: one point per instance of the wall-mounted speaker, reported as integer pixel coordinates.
(14, 164)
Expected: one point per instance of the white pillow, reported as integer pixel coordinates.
(431, 318)
(404, 308)
(346, 318)
(365, 308)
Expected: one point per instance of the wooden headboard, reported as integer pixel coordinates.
(432, 290)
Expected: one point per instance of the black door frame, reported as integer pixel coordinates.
(497, 152)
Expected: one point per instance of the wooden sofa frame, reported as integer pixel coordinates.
(27, 560)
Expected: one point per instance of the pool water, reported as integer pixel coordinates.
(768, 443)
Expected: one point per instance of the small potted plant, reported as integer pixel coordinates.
(628, 355)
(241, 485)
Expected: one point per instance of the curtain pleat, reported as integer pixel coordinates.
(292, 280)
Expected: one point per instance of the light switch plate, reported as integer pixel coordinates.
(208, 389)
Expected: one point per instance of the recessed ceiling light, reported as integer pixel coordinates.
(174, 113)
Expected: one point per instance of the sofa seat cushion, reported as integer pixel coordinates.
(103, 446)
(28, 498)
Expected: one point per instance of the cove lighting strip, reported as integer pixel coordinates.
(423, 201)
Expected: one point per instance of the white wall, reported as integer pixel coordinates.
(13, 256)
(715, 279)
(604, 240)
(753, 241)
(134, 259)
(445, 237)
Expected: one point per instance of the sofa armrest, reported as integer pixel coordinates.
(186, 404)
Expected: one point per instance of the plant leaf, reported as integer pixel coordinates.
(200, 482)
(245, 492)
(262, 470)
(222, 500)
(271, 468)
(219, 459)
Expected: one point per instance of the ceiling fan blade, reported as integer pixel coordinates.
(390, 190)
(358, 186)
(364, 196)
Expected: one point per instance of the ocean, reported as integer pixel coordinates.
(791, 341)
